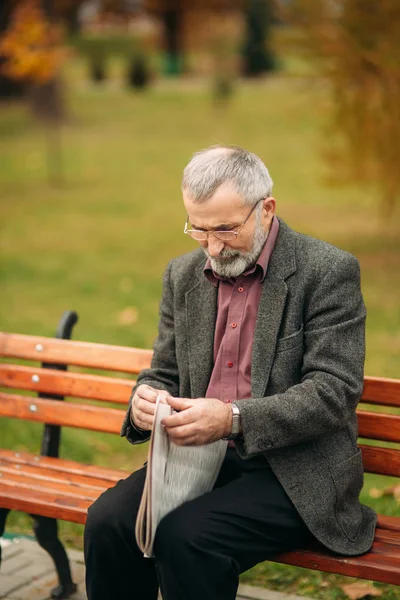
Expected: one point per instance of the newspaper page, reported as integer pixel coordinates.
(175, 474)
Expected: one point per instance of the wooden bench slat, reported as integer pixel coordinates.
(64, 383)
(378, 426)
(56, 412)
(388, 537)
(389, 549)
(62, 466)
(388, 523)
(82, 354)
(381, 390)
(368, 566)
(46, 476)
(57, 506)
(23, 482)
(383, 461)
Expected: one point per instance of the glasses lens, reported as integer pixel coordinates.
(197, 235)
(225, 236)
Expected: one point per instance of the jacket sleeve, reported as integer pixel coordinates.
(163, 373)
(332, 372)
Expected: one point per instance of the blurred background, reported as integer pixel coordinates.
(102, 104)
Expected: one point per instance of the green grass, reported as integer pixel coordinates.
(99, 243)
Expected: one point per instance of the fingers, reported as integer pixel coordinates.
(143, 421)
(185, 417)
(144, 406)
(184, 435)
(184, 414)
(179, 403)
(147, 393)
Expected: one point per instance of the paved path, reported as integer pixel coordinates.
(27, 573)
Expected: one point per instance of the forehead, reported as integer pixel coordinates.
(224, 207)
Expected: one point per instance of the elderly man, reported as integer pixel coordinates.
(261, 341)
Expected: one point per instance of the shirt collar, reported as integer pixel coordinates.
(261, 265)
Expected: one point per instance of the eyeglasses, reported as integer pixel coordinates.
(224, 236)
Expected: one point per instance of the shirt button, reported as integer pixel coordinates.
(230, 364)
(240, 289)
(234, 325)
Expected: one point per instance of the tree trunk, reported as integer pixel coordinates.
(257, 54)
(72, 21)
(172, 20)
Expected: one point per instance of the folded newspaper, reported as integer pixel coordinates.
(175, 474)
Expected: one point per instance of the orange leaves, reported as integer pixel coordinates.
(30, 46)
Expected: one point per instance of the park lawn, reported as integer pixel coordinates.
(98, 244)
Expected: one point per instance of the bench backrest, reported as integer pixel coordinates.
(377, 424)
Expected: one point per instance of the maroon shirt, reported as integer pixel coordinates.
(238, 301)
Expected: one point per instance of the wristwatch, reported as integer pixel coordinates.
(236, 422)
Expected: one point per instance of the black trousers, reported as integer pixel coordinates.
(201, 547)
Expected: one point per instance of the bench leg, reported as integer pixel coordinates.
(46, 532)
(3, 517)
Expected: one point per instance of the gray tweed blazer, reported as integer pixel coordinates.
(307, 376)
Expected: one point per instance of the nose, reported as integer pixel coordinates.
(214, 246)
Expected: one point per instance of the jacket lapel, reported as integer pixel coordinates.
(270, 311)
(201, 311)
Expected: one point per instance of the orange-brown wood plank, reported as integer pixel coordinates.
(83, 354)
(30, 486)
(64, 383)
(379, 390)
(383, 461)
(388, 537)
(376, 567)
(47, 476)
(388, 549)
(57, 506)
(61, 413)
(389, 523)
(378, 426)
(62, 466)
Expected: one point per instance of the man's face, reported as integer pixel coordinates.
(225, 211)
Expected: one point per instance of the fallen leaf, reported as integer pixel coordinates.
(396, 492)
(356, 591)
(391, 490)
(375, 493)
(101, 446)
(128, 316)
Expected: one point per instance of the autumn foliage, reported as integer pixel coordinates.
(30, 48)
(357, 45)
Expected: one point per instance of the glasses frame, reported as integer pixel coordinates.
(234, 232)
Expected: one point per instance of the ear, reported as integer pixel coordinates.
(269, 205)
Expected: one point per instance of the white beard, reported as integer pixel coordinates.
(232, 263)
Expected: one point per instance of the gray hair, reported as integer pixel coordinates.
(210, 168)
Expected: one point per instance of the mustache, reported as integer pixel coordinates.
(226, 253)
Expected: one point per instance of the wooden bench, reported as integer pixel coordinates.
(50, 488)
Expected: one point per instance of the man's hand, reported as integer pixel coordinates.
(144, 406)
(198, 422)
